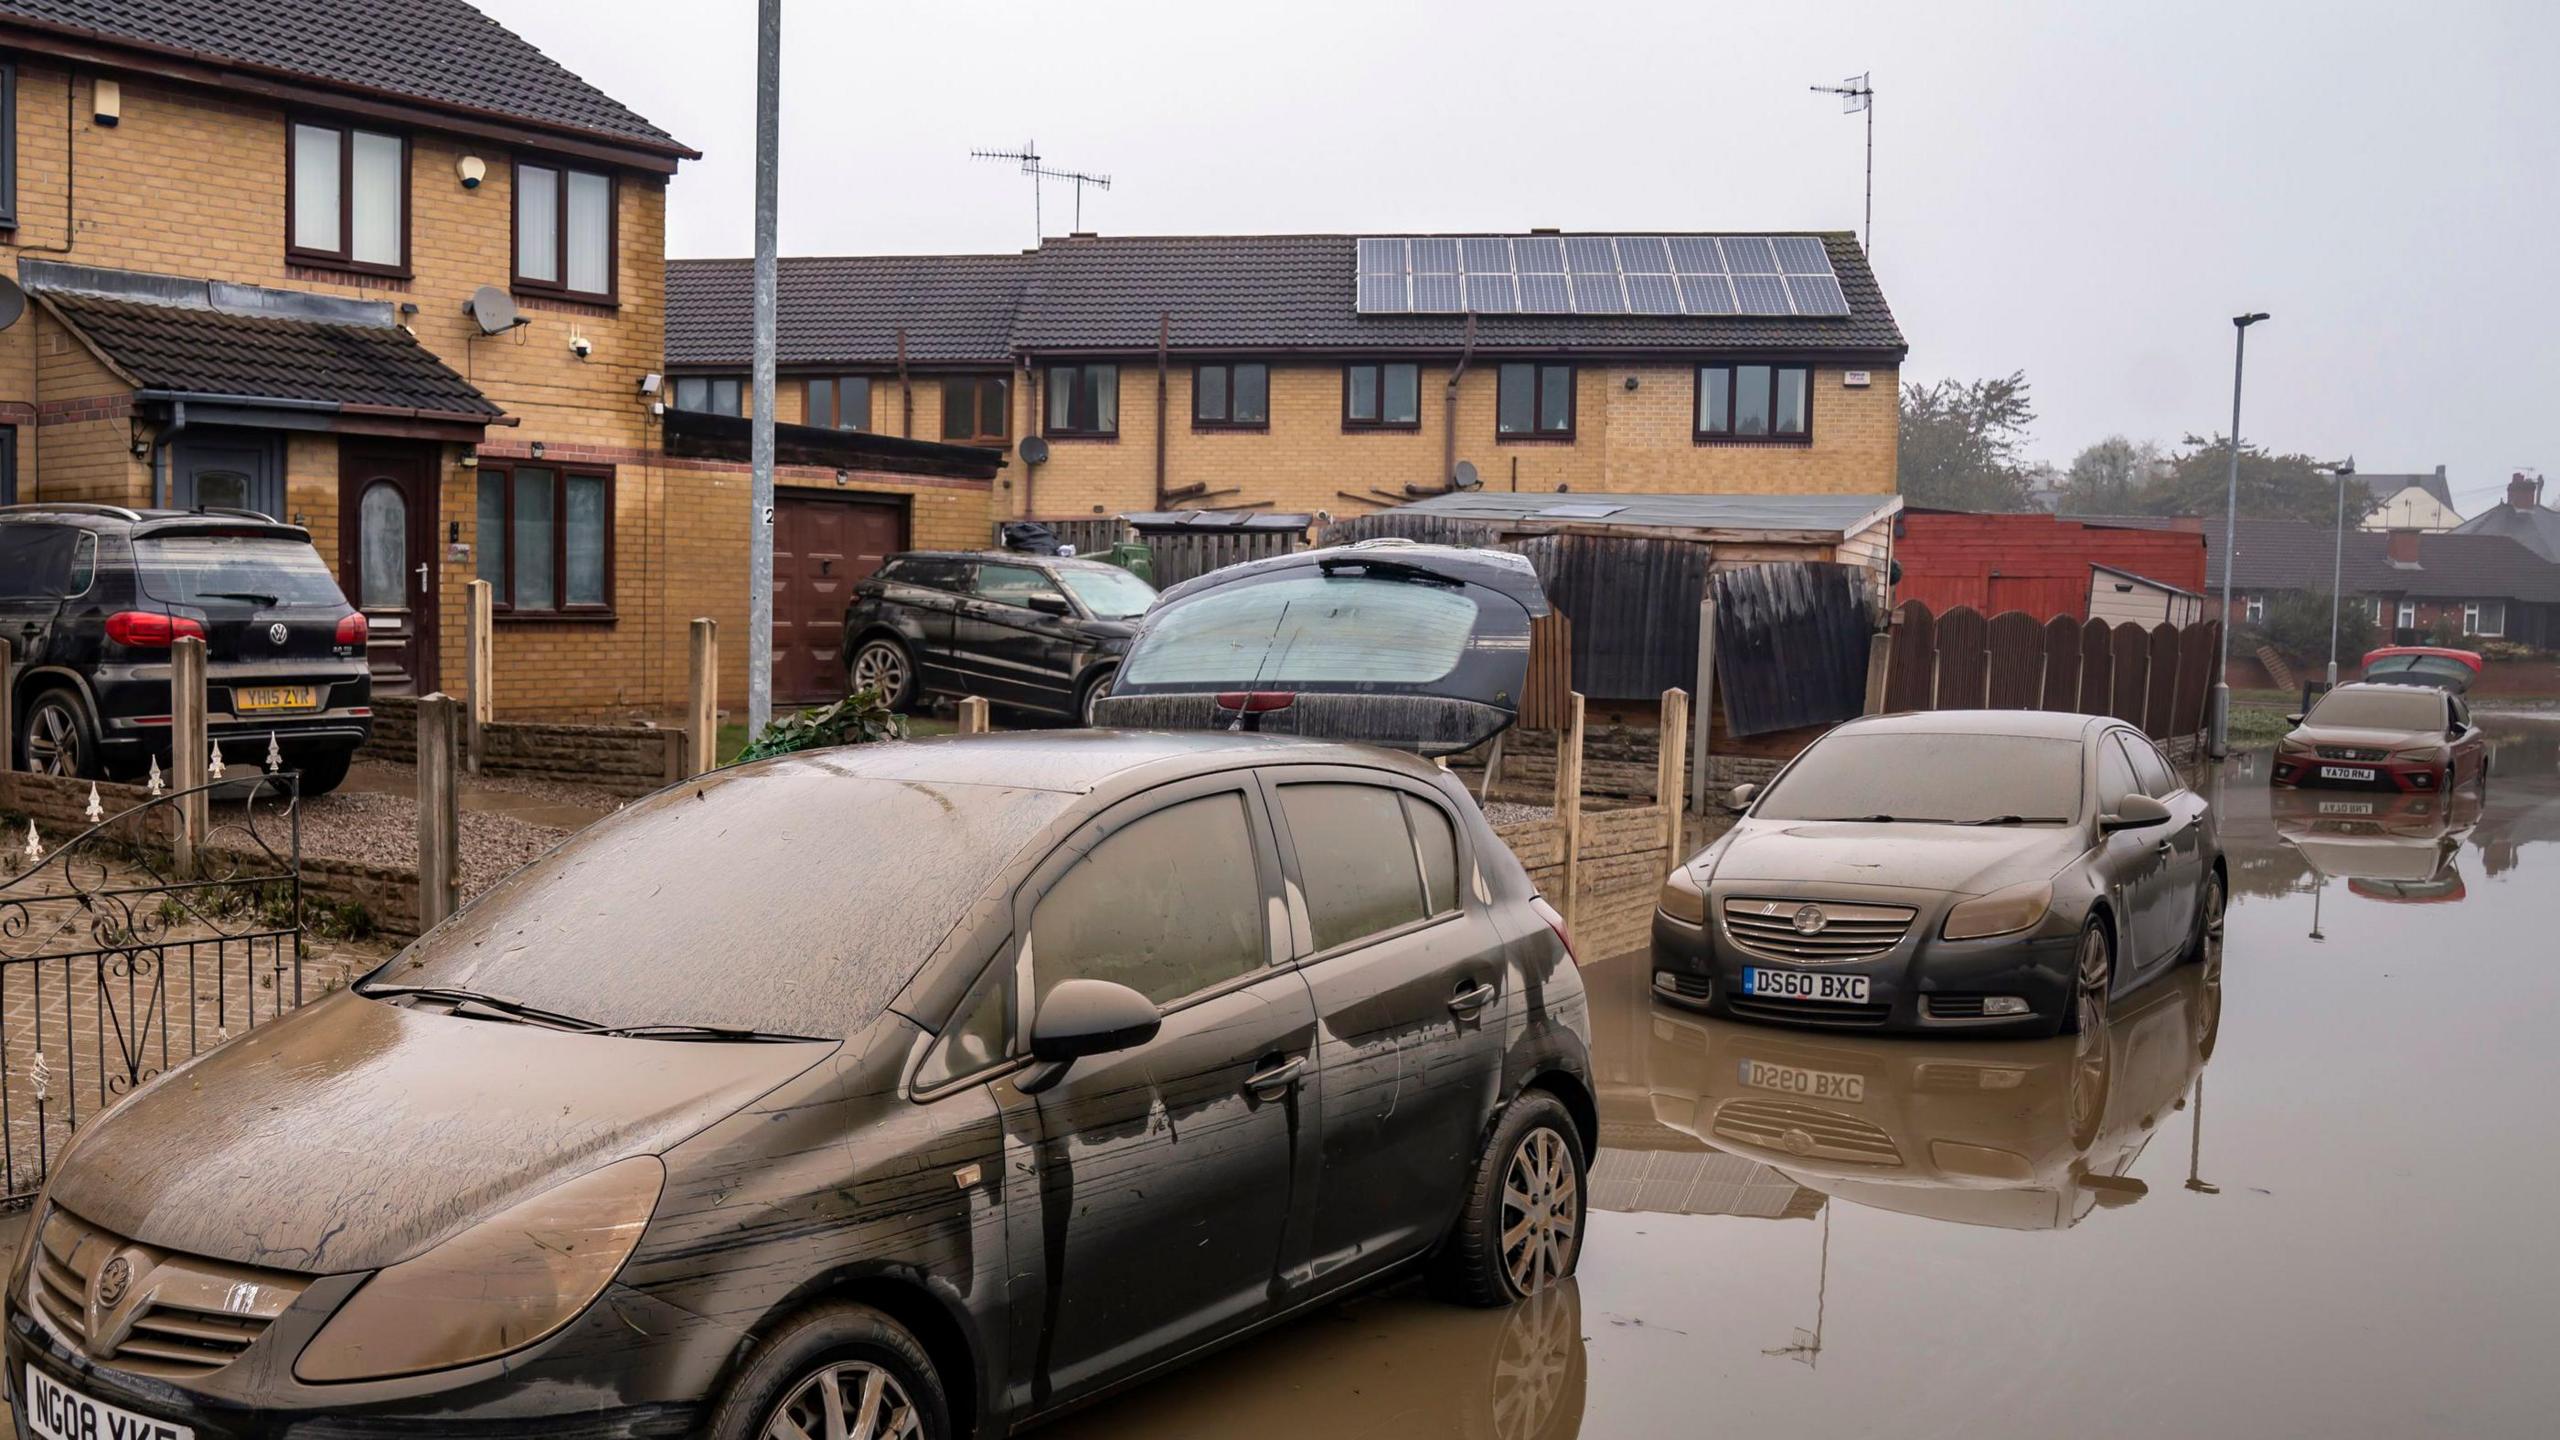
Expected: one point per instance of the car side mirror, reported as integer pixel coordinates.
(1085, 1017)
(1741, 798)
(2134, 812)
(2294, 718)
(1049, 604)
(2113, 1192)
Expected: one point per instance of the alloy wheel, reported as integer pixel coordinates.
(880, 667)
(849, 1400)
(2091, 996)
(1541, 1205)
(1093, 694)
(1533, 1366)
(2216, 900)
(53, 740)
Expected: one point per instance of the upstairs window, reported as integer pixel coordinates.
(565, 231)
(712, 394)
(1231, 397)
(348, 196)
(977, 409)
(1084, 400)
(1755, 402)
(837, 402)
(1534, 402)
(1381, 397)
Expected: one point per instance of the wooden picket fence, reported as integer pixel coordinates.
(2157, 677)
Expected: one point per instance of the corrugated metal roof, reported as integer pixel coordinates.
(1831, 514)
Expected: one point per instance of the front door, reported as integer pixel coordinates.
(823, 545)
(218, 469)
(387, 557)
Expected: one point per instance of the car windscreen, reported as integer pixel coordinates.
(2380, 710)
(2444, 666)
(789, 897)
(1308, 628)
(191, 569)
(1109, 594)
(1923, 777)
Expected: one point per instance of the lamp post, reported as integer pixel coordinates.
(2337, 571)
(2218, 729)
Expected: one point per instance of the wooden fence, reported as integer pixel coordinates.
(1547, 696)
(2158, 677)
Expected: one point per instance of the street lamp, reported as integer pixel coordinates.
(2218, 732)
(2337, 569)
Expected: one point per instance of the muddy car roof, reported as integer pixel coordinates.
(1502, 571)
(1075, 761)
(2028, 724)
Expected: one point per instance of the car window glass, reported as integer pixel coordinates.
(1921, 775)
(976, 1037)
(1167, 905)
(2379, 707)
(189, 569)
(1012, 584)
(1303, 628)
(84, 564)
(1355, 860)
(1438, 842)
(932, 574)
(2158, 780)
(34, 559)
(2115, 776)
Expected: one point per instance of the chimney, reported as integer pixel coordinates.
(2403, 549)
(2524, 491)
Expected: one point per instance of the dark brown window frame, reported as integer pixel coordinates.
(977, 408)
(1378, 390)
(503, 606)
(343, 258)
(1537, 407)
(808, 412)
(560, 289)
(1732, 382)
(675, 387)
(9, 145)
(1221, 422)
(1048, 385)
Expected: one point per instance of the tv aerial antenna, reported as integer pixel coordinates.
(1856, 95)
(1029, 160)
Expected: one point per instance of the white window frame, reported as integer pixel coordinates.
(2253, 607)
(2471, 613)
(2408, 615)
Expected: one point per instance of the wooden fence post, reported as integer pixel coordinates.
(8, 713)
(187, 747)
(439, 811)
(1668, 790)
(1879, 669)
(478, 668)
(1569, 805)
(973, 715)
(1702, 714)
(702, 699)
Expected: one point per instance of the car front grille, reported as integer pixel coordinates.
(2350, 752)
(1806, 1130)
(1847, 932)
(1808, 1012)
(168, 1316)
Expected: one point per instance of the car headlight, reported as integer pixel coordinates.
(497, 1287)
(2291, 746)
(2422, 755)
(2002, 912)
(1682, 899)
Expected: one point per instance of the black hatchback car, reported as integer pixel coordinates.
(92, 596)
(1032, 632)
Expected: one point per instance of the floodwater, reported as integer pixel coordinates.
(2312, 1195)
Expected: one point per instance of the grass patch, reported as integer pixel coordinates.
(2258, 725)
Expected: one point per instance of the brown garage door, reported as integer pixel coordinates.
(823, 545)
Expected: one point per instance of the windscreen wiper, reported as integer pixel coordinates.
(684, 1031)
(2014, 820)
(477, 1005)
(260, 596)
(1388, 569)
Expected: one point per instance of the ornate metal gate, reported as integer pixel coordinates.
(114, 966)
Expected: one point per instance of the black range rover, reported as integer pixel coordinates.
(92, 596)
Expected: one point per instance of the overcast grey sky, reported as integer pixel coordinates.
(2087, 193)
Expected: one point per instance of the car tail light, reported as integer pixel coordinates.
(1256, 702)
(1555, 922)
(353, 629)
(150, 629)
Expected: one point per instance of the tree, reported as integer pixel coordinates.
(2106, 477)
(1960, 443)
(2297, 625)
(2272, 487)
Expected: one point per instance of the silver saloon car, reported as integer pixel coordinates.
(1999, 872)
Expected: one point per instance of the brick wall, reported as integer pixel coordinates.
(622, 759)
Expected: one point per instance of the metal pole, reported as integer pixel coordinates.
(760, 525)
(2218, 726)
(1869, 243)
(2337, 572)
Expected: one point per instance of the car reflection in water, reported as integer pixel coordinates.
(2396, 849)
(2029, 1135)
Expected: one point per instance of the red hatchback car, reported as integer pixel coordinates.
(2411, 738)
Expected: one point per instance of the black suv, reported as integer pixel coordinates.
(1034, 632)
(92, 596)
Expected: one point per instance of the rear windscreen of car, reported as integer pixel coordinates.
(2435, 665)
(191, 569)
(1923, 777)
(1308, 629)
(1109, 594)
(793, 898)
(2402, 709)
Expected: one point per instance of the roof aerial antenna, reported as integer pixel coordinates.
(1856, 95)
(1028, 158)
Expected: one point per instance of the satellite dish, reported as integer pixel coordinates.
(13, 302)
(1465, 477)
(493, 309)
(1035, 451)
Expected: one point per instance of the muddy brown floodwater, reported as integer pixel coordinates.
(2312, 1196)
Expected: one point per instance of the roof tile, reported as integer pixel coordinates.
(215, 352)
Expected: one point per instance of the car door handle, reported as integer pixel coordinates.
(1472, 999)
(1272, 1082)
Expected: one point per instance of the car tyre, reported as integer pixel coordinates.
(57, 737)
(1092, 693)
(325, 772)
(829, 1371)
(885, 663)
(2093, 973)
(1520, 1231)
(2210, 908)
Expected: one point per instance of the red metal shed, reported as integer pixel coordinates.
(2035, 563)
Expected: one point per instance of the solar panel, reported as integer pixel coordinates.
(1544, 295)
(1382, 257)
(1436, 294)
(1706, 295)
(1486, 252)
(1493, 294)
(1643, 255)
(1539, 255)
(1802, 255)
(1762, 295)
(1696, 255)
(1591, 255)
(1749, 255)
(1653, 295)
(1817, 295)
(1598, 295)
(1383, 295)
(1435, 255)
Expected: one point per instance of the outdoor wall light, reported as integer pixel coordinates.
(1631, 382)
(537, 449)
(843, 478)
(650, 382)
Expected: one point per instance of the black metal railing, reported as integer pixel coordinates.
(116, 965)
